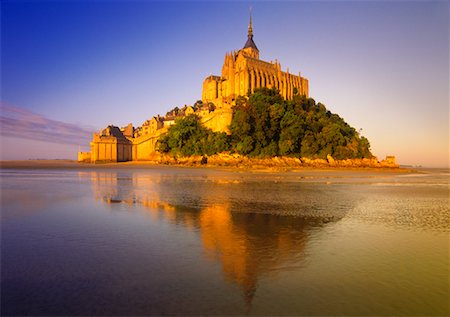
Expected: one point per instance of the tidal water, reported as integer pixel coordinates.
(178, 241)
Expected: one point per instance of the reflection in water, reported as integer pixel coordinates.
(249, 239)
(176, 240)
(250, 245)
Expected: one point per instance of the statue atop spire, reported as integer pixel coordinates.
(250, 43)
(250, 28)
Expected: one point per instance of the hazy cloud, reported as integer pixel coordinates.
(23, 123)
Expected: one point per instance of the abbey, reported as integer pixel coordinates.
(242, 73)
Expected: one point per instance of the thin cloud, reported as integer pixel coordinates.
(22, 123)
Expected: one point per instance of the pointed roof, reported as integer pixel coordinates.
(250, 42)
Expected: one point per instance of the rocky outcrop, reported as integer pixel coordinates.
(277, 162)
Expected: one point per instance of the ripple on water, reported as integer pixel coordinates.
(414, 212)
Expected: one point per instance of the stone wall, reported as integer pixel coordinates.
(218, 120)
(145, 145)
(84, 157)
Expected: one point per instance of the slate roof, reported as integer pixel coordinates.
(250, 43)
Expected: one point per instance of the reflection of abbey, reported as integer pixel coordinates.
(242, 73)
(231, 233)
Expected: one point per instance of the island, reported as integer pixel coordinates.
(253, 114)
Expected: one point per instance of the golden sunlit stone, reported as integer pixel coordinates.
(242, 73)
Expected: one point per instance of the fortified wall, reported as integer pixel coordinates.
(114, 144)
(242, 73)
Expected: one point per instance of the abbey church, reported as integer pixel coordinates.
(242, 72)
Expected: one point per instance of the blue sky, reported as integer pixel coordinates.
(382, 66)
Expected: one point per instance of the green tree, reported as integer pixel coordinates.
(188, 137)
(264, 124)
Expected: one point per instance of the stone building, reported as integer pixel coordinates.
(112, 145)
(243, 72)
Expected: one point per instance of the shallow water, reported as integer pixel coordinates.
(177, 241)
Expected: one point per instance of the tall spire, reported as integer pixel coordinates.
(250, 42)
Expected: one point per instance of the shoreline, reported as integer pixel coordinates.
(74, 165)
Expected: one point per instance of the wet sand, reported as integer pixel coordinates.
(314, 171)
